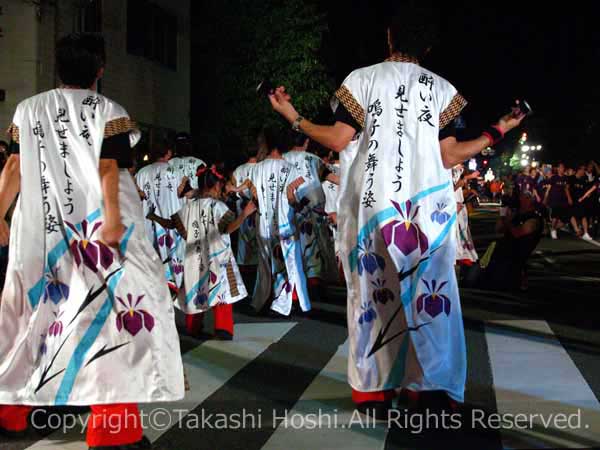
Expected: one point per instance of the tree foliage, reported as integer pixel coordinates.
(243, 42)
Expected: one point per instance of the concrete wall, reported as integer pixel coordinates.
(18, 56)
(151, 93)
(154, 95)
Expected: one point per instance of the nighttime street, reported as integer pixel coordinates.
(528, 353)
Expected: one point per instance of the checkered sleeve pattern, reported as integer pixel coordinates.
(225, 221)
(13, 133)
(346, 98)
(118, 126)
(452, 111)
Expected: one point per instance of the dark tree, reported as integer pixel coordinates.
(238, 43)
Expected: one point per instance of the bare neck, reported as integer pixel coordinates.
(275, 155)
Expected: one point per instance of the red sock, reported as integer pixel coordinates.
(377, 396)
(118, 424)
(224, 317)
(14, 417)
(194, 323)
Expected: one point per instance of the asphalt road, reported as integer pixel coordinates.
(533, 354)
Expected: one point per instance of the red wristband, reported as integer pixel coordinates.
(494, 134)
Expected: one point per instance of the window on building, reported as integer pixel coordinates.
(89, 20)
(90, 16)
(152, 32)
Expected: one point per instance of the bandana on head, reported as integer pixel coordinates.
(212, 168)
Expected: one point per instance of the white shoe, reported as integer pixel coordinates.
(553, 234)
(586, 237)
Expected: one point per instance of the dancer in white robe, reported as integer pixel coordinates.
(404, 317)
(465, 248)
(211, 275)
(85, 316)
(280, 272)
(160, 182)
(247, 254)
(331, 191)
(310, 216)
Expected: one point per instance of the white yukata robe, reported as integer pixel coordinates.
(211, 275)
(186, 166)
(247, 254)
(404, 316)
(465, 248)
(331, 201)
(311, 220)
(159, 181)
(280, 271)
(181, 166)
(80, 323)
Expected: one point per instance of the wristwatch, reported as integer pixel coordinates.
(296, 124)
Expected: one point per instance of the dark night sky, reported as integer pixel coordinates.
(493, 56)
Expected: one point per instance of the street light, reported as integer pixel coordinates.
(539, 147)
(525, 148)
(524, 162)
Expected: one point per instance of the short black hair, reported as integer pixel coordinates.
(275, 139)
(297, 139)
(414, 28)
(4, 144)
(252, 151)
(317, 149)
(161, 148)
(183, 144)
(79, 57)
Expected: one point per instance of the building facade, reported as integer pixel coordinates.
(147, 46)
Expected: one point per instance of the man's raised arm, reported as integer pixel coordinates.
(10, 185)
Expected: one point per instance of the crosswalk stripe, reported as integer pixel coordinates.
(209, 366)
(535, 376)
(330, 396)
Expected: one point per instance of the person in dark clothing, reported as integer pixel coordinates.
(522, 233)
(579, 185)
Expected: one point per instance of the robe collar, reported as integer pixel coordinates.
(402, 57)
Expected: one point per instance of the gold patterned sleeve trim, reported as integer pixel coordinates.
(13, 133)
(452, 111)
(118, 126)
(346, 98)
(225, 221)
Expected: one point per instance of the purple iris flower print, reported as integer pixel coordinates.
(367, 260)
(306, 228)
(43, 347)
(177, 266)
(439, 215)
(91, 253)
(381, 294)
(405, 234)
(200, 299)
(165, 241)
(133, 319)
(287, 287)
(432, 301)
(251, 221)
(54, 289)
(56, 327)
(368, 313)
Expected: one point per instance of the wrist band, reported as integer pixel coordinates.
(494, 134)
(296, 124)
